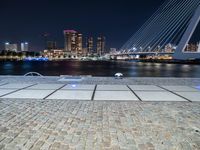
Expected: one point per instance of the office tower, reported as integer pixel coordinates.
(24, 46)
(51, 45)
(11, 47)
(70, 41)
(89, 45)
(79, 44)
(101, 45)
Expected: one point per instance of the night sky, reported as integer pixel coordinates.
(28, 20)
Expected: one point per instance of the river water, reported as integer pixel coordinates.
(100, 68)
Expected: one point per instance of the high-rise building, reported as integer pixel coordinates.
(73, 43)
(90, 45)
(70, 41)
(101, 45)
(11, 47)
(24, 46)
(79, 44)
(51, 45)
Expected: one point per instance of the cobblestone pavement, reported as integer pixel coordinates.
(104, 80)
(92, 125)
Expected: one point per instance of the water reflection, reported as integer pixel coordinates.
(101, 68)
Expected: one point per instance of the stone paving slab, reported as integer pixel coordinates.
(102, 92)
(145, 88)
(158, 96)
(112, 88)
(193, 96)
(46, 86)
(71, 95)
(6, 91)
(181, 88)
(78, 87)
(99, 125)
(14, 86)
(115, 95)
(32, 94)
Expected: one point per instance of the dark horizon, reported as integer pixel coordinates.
(116, 20)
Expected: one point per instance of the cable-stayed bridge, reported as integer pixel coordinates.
(173, 23)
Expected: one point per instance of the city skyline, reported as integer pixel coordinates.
(77, 39)
(20, 21)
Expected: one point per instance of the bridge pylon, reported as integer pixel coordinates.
(180, 51)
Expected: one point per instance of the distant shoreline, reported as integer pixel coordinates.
(172, 61)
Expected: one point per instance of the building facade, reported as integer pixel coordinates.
(54, 54)
(24, 47)
(11, 47)
(73, 43)
(192, 47)
(101, 45)
(79, 44)
(70, 40)
(90, 45)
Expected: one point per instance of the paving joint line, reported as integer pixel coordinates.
(173, 93)
(93, 94)
(54, 91)
(17, 90)
(134, 93)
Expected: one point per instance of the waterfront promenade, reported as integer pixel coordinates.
(99, 113)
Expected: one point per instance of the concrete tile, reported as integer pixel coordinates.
(33, 94)
(115, 95)
(71, 95)
(197, 87)
(78, 87)
(112, 88)
(145, 88)
(158, 96)
(14, 86)
(5, 91)
(70, 79)
(2, 83)
(180, 88)
(193, 96)
(46, 86)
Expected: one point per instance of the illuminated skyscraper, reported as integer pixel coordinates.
(101, 45)
(79, 44)
(24, 47)
(90, 45)
(11, 47)
(70, 41)
(73, 43)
